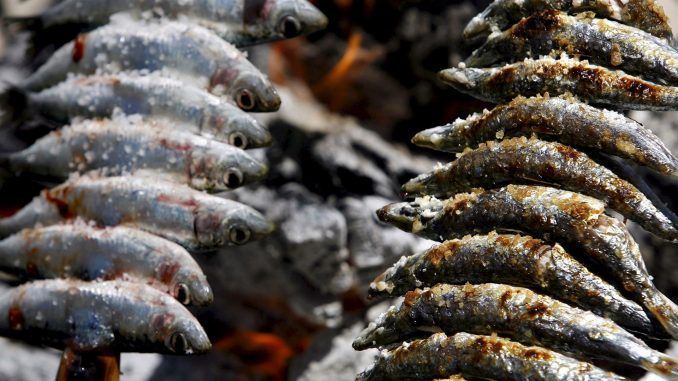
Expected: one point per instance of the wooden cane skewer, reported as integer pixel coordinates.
(88, 367)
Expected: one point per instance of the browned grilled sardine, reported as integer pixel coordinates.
(516, 260)
(562, 118)
(487, 357)
(517, 313)
(595, 84)
(522, 160)
(575, 220)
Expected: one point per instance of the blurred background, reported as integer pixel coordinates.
(288, 307)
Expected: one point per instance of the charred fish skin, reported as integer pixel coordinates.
(521, 314)
(111, 316)
(487, 357)
(603, 42)
(562, 118)
(189, 108)
(125, 144)
(85, 252)
(645, 15)
(532, 160)
(190, 218)
(569, 218)
(239, 22)
(189, 52)
(588, 82)
(515, 260)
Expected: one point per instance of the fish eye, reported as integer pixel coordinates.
(182, 294)
(289, 26)
(245, 100)
(232, 178)
(237, 139)
(239, 235)
(178, 343)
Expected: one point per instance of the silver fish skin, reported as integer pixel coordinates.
(523, 160)
(187, 107)
(645, 15)
(603, 42)
(562, 118)
(96, 317)
(487, 357)
(134, 145)
(86, 252)
(239, 22)
(518, 314)
(193, 219)
(188, 52)
(572, 219)
(516, 260)
(592, 83)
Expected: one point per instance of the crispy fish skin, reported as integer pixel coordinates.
(532, 160)
(603, 42)
(85, 252)
(515, 260)
(189, 108)
(239, 22)
(572, 219)
(189, 52)
(646, 15)
(562, 118)
(487, 357)
(193, 219)
(518, 314)
(593, 83)
(124, 144)
(111, 316)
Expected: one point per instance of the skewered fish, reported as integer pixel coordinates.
(562, 118)
(195, 220)
(603, 42)
(516, 260)
(239, 22)
(593, 83)
(108, 316)
(646, 15)
(486, 357)
(189, 108)
(128, 144)
(90, 253)
(188, 52)
(566, 217)
(521, 160)
(518, 313)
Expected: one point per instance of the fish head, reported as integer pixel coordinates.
(292, 18)
(230, 223)
(245, 132)
(439, 137)
(254, 92)
(183, 334)
(462, 79)
(231, 169)
(190, 287)
(411, 216)
(420, 185)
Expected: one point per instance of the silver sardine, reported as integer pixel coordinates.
(188, 52)
(592, 83)
(562, 118)
(486, 357)
(89, 253)
(127, 144)
(572, 219)
(193, 219)
(515, 260)
(111, 316)
(523, 160)
(518, 314)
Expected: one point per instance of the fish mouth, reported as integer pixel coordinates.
(415, 187)
(457, 78)
(312, 18)
(424, 139)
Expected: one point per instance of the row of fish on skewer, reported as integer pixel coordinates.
(533, 279)
(154, 101)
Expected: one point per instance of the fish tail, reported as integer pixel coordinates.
(13, 105)
(662, 308)
(664, 366)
